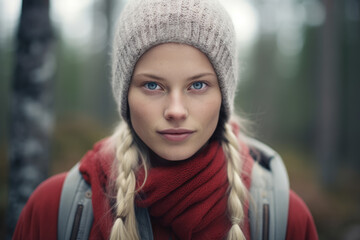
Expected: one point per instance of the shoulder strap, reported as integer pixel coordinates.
(144, 223)
(75, 210)
(270, 194)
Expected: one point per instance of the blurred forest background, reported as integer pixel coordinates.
(299, 86)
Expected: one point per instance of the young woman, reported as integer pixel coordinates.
(175, 152)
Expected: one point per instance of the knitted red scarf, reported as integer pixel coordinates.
(188, 199)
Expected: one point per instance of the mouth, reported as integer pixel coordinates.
(176, 134)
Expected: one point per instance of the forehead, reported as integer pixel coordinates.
(173, 58)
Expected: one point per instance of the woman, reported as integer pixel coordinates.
(175, 151)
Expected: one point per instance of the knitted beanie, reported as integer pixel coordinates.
(203, 24)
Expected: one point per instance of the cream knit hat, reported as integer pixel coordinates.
(203, 24)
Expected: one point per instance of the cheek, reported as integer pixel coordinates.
(209, 111)
(207, 115)
(136, 110)
(213, 116)
(143, 113)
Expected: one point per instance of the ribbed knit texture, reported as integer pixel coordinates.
(203, 24)
(188, 197)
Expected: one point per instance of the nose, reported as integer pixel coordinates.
(176, 108)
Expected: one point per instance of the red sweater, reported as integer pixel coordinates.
(38, 219)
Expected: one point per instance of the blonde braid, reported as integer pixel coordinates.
(127, 155)
(237, 189)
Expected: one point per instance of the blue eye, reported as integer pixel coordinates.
(151, 85)
(197, 85)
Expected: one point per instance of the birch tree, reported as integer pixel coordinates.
(31, 116)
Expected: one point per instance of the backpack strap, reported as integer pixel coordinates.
(144, 223)
(75, 210)
(269, 194)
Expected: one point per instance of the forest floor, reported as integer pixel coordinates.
(336, 209)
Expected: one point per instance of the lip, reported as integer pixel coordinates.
(176, 134)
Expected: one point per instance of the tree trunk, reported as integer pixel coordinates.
(328, 95)
(105, 102)
(353, 84)
(31, 107)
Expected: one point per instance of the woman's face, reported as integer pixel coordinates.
(174, 100)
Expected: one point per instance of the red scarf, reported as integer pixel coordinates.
(188, 198)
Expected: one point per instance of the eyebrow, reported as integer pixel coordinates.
(149, 76)
(202, 75)
(162, 79)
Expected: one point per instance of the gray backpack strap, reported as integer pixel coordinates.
(75, 210)
(144, 223)
(270, 195)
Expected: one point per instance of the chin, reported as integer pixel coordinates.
(176, 156)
